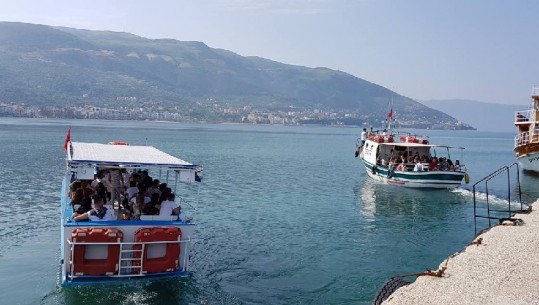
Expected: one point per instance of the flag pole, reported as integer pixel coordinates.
(68, 139)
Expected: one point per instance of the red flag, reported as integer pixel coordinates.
(68, 138)
(390, 114)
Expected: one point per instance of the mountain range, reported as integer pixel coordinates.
(481, 115)
(58, 66)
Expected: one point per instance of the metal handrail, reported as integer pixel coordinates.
(503, 169)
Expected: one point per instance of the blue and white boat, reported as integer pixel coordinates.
(126, 248)
(389, 158)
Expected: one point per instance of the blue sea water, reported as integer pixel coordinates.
(287, 214)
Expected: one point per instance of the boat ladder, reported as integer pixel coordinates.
(127, 268)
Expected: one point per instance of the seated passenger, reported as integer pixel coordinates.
(73, 187)
(392, 163)
(403, 159)
(101, 190)
(98, 213)
(433, 165)
(85, 206)
(154, 188)
(168, 207)
(152, 208)
(182, 217)
(132, 190)
(418, 165)
(401, 167)
(139, 200)
(442, 165)
(457, 165)
(450, 165)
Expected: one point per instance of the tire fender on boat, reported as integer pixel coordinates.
(466, 178)
(374, 169)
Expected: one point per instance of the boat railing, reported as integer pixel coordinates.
(527, 137)
(128, 264)
(494, 212)
(522, 138)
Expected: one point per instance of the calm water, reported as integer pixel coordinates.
(287, 214)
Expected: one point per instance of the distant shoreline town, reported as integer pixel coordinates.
(217, 113)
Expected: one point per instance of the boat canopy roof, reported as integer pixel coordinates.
(409, 144)
(123, 155)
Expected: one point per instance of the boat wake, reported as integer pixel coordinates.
(482, 197)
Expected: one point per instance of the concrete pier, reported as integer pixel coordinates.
(502, 269)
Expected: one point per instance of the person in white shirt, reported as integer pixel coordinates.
(182, 217)
(418, 165)
(132, 190)
(363, 136)
(139, 200)
(98, 213)
(168, 207)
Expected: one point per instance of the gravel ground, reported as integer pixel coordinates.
(503, 269)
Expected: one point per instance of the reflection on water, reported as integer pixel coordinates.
(375, 198)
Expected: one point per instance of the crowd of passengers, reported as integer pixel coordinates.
(133, 194)
(418, 164)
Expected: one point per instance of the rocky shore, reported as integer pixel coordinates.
(501, 266)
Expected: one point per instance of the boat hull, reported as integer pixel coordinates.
(427, 179)
(529, 162)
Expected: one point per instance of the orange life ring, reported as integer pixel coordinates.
(170, 260)
(81, 265)
(118, 143)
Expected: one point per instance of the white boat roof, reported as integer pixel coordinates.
(410, 144)
(108, 154)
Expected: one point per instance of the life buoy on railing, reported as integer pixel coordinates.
(167, 262)
(104, 265)
(118, 143)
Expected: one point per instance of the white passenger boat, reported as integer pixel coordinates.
(527, 138)
(391, 158)
(125, 248)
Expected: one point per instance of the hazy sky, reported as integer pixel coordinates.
(485, 50)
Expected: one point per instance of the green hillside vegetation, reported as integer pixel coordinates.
(58, 66)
